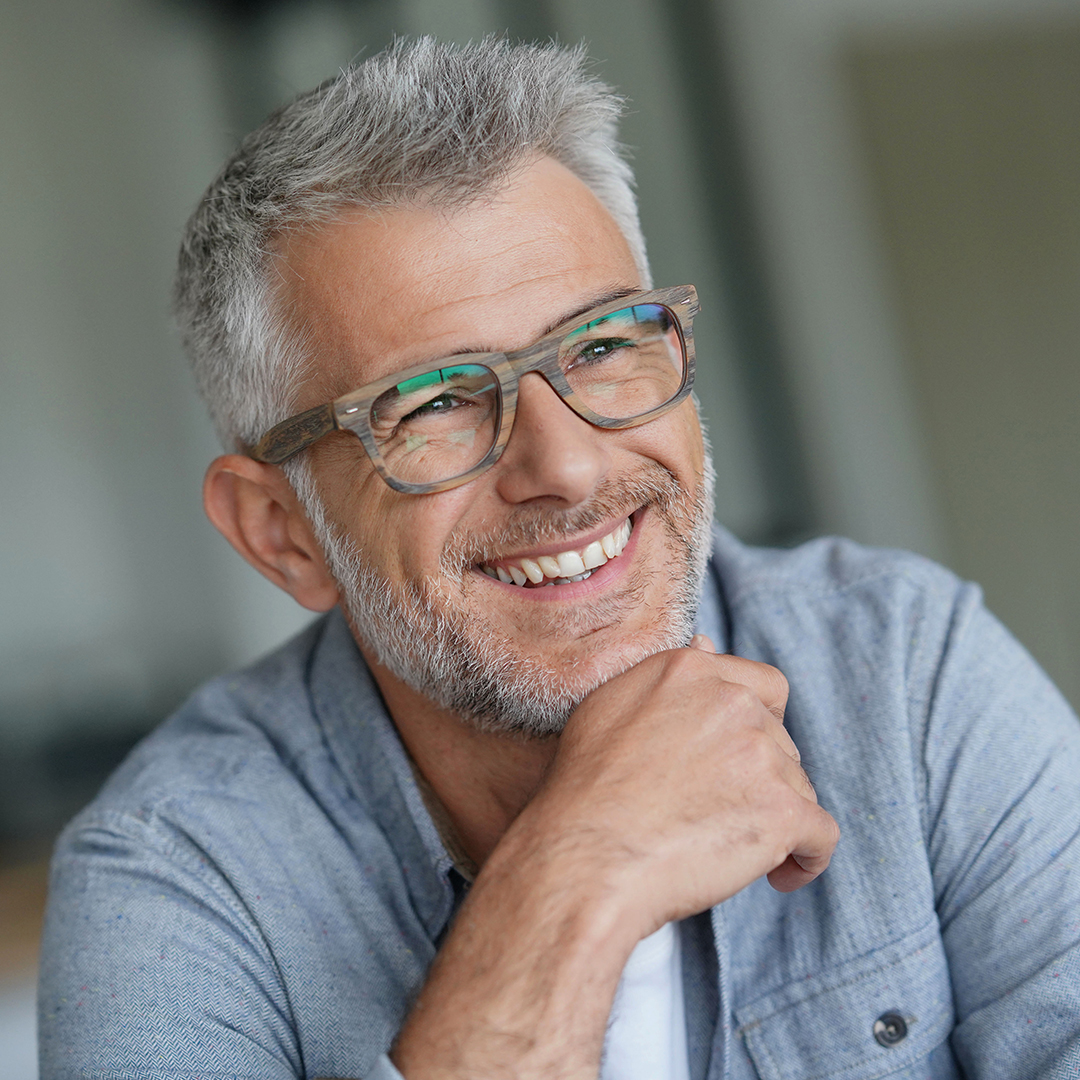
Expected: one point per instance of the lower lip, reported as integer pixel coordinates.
(575, 590)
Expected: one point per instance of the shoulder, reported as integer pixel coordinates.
(212, 789)
(824, 567)
(230, 873)
(832, 603)
(246, 727)
(874, 617)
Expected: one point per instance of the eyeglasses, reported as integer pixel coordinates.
(437, 425)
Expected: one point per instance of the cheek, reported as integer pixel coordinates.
(675, 441)
(402, 535)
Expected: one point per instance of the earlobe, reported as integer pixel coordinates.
(253, 506)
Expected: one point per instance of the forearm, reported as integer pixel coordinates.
(524, 983)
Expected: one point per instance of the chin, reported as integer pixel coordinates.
(531, 689)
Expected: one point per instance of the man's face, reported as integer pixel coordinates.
(374, 293)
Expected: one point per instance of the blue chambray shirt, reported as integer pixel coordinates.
(259, 890)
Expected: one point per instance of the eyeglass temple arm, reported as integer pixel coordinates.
(293, 435)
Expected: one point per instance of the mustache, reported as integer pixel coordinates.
(530, 526)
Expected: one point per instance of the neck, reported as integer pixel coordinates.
(483, 779)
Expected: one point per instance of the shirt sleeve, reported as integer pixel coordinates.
(1002, 757)
(154, 967)
(151, 968)
(384, 1070)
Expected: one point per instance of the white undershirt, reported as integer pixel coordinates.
(646, 1036)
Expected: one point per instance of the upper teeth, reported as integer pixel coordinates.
(567, 565)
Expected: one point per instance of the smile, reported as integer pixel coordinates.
(565, 567)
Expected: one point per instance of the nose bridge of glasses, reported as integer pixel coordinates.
(541, 360)
(548, 449)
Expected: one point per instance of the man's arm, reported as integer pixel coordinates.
(674, 787)
(1003, 774)
(186, 937)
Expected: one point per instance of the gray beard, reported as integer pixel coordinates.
(417, 632)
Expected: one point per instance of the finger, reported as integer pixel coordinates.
(767, 682)
(795, 776)
(767, 721)
(700, 641)
(742, 696)
(787, 744)
(789, 876)
(812, 855)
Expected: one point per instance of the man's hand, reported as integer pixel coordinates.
(681, 771)
(674, 787)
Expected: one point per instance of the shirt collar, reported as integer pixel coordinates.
(366, 746)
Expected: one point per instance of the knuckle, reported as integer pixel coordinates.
(778, 681)
(682, 664)
(791, 804)
(737, 697)
(758, 752)
(765, 684)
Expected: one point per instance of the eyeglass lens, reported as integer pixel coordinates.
(438, 425)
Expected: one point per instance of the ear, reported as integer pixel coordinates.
(255, 508)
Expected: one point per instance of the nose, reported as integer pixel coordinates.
(552, 453)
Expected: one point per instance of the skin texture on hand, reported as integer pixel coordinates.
(675, 785)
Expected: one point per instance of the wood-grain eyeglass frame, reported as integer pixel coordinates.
(351, 411)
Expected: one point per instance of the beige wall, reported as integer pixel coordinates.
(973, 148)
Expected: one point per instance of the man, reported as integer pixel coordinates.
(503, 786)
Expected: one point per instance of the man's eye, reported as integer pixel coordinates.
(442, 403)
(593, 352)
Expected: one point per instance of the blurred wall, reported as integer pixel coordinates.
(914, 164)
(974, 151)
(113, 595)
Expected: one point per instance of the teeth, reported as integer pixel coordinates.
(550, 566)
(566, 566)
(594, 556)
(570, 564)
(532, 571)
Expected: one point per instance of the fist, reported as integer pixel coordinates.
(679, 780)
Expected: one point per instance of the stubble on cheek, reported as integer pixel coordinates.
(524, 666)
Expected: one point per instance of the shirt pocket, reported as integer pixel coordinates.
(866, 1018)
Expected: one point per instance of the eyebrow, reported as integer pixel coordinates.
(597, 301)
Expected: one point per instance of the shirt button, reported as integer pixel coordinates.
(890, 1028)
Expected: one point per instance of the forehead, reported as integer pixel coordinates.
(374, 292)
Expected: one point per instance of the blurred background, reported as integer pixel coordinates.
(879, 201)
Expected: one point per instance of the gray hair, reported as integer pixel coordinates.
(420, 119)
